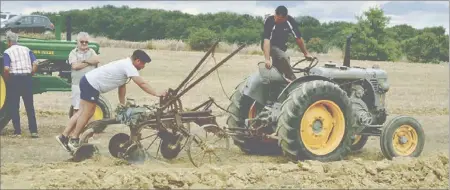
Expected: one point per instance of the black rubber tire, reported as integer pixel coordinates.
(386, 141)
(4, 114)
(240, 105)
(5, 118)
(169, 153)
(360, 144)
(296, 104)
(114, 144)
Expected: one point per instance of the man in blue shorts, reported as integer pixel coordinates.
(101, 80)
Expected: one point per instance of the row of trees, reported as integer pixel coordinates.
(372, 38)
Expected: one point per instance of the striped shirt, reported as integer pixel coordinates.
(19, 59)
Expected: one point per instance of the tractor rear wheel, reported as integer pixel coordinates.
(316, 122)
(4, 114)
(102, 110)
(243, 107)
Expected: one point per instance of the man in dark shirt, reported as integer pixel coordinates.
(276, 30)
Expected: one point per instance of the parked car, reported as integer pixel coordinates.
(6, 16)
(28, 24)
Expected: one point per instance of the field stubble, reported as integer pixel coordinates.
(418, 90)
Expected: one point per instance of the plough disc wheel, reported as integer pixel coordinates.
(170, 148)
(85, 151)
(118, 144)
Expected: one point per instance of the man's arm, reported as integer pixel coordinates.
(267, 35)
(6, 65)
(298, 36)
(146, 87)
(93, 60)
(302, 46)
(122, 92)
(33, 62)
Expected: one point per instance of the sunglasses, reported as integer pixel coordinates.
(84, 42)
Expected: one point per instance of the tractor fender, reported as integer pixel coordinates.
(297, 82)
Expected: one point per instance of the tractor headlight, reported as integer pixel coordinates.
(383, 85)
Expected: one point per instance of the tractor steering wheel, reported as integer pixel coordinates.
(313, 63)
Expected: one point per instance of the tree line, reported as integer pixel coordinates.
(372, 38)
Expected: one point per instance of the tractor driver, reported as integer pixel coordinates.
(276, 30)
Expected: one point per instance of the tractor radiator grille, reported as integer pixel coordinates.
(375, 84)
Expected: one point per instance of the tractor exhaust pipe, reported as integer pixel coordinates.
(347, 51)
(68, 28)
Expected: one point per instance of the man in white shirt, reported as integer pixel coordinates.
(101, 80)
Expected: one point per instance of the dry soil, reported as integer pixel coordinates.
(418, 90)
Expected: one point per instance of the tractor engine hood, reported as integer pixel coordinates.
(332, 71)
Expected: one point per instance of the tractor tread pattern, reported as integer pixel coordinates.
(296, 104)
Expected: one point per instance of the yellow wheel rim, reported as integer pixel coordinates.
(405, 140)
(322, 127)
(2, 92)
(98, 114)
(357, 139)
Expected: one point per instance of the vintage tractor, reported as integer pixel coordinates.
(322, 115)
(53, 55)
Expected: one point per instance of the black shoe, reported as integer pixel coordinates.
(63, 141)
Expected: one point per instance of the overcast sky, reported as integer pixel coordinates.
(418, 14)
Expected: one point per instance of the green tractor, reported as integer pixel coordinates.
(54, 54)
(324, 114)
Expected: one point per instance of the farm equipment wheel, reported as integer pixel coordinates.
(4, 115)
(316, 122)
(118, 144)
(209, 146)
(102, 110)
(170, 144)
(403, 136)
(245, 108)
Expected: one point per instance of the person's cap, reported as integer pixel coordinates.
(141, 55)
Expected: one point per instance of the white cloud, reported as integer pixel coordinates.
(424, 20)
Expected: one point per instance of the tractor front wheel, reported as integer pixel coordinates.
(316, 122)
(403, 136)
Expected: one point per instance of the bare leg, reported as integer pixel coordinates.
(87, 109)
(72, 123)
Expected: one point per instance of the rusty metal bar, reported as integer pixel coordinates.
(196, 67)
(203, 104)
(202, 77)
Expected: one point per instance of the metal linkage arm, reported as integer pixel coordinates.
(196, 67)
(201, 78)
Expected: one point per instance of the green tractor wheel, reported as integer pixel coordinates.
(316, 122)
(4, 115)
(242, 107)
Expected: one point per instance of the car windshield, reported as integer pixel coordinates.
(14, 19)
(3, 16)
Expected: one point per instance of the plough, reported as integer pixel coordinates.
(169, 119)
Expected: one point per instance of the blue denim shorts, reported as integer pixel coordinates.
(87, 92)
